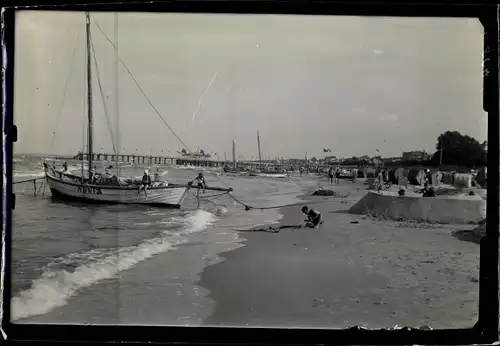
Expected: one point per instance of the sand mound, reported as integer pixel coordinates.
(440, 209)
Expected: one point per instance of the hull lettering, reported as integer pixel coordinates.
(89, 190)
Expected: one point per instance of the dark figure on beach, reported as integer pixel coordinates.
(301, 170)
(314, 218)
(428, 191)
(200, 179)
(337, 175)
(146, 182)
(65, 166)
(330, 175)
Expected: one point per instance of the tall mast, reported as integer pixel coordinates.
(258, 143)
(117, 106)
(234, 155)
(90, 145)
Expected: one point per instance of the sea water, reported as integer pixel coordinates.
(128, 264)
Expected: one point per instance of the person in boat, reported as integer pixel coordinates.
(107, 171)
(110, 177)
(330, 175)
(65, 166)
(145, 183)
(200, 180)
(157, 176)
(314, 217)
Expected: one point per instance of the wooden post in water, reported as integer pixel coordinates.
(260, 158)
(234, 155)
(34, 187)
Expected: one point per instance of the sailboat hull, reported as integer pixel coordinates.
(69, 189)
(269, 175)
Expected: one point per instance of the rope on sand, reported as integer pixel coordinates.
(270, 229)
(248, 207)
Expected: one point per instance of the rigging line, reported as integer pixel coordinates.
(102, 97)
(27, 180)
(139, 87)
(64, 91)
(248, 207)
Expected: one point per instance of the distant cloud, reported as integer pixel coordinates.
(389, 117)
(378, 51)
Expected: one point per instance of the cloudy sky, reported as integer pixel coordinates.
(351, 84)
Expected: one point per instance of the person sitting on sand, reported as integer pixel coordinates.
(314, 218)
(200, 179)
(427, 191)
(145, 183)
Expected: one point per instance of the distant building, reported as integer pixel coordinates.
(392, 159)
(331, 160)
(297, 161)
(415, 156)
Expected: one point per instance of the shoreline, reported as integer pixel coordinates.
(354, 270)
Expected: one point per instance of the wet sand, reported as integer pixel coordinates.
(354, 270)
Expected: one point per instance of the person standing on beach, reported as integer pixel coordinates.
(330, 175)
(337, 175)
(354, 174)
(314, 218)
(379, 180)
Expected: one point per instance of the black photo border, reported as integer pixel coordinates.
(486, 329)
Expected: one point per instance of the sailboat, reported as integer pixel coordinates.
(234, 171)
(262, 174)
(92, 187)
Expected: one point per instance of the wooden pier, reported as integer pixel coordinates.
(192, 161)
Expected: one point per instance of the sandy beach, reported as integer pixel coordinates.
(354, 270)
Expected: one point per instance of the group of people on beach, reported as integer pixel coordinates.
(334, 174)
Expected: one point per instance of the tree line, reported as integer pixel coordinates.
(452, 149)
